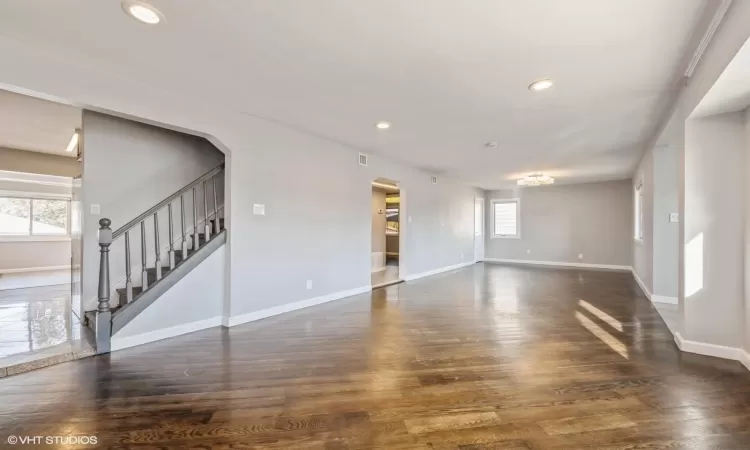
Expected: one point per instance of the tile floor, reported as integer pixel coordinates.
(38, 328)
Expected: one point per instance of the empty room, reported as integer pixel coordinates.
(405, 224)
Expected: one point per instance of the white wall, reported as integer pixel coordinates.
(560, 222)
(129, 167)
(714, 227)
(643, 248)
(202, 289)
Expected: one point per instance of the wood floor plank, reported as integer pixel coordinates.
(485, 357)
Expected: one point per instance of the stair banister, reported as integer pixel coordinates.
(107, 320)
(120, 231)
(103, 312)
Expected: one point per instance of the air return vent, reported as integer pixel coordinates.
(362, 159)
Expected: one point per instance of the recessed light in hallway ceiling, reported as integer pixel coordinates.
(142, 12)
(382, 125)
(541, 85)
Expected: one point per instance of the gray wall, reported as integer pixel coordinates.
(714, 227)
(205, 282)
(559, 222)
(270, 257)
(290, 172)
(127, 168)
(378, 221)
(666, 240)
(643, 249)
(34, 162)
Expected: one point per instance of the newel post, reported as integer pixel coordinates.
(103, 313)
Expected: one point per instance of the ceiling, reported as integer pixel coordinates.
(28, 123)
(449, 75)
(731, 92)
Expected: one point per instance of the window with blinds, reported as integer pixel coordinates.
(505, 218)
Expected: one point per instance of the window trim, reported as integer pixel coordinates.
(515, 200)
(638, 223)
(38, 237)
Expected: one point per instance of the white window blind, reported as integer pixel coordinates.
(505, 214)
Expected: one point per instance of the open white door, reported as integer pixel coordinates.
(478, 229)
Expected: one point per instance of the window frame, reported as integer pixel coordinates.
(638, 212)
(517, 202)
(38, 237)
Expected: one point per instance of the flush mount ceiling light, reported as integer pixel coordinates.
(536, 179)
(541, 85)
(73, 143)
(491, 144)
(142, 12)
(382, 125)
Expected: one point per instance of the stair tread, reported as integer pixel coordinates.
(151, 271)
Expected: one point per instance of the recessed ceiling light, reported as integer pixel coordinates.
(491, 144)
(541, 85)
(382, 125)
(73, 142)
(142, 12)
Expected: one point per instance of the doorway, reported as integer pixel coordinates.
(386, 233)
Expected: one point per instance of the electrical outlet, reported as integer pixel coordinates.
(409, 219)
(309, 284)
(580, 256)
(259, 209)
(674, 217)
(462, 256)
(528, 251)
(96, 209)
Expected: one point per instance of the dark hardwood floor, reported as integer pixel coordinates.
(485, 357)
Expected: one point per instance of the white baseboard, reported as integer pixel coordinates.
(289, 307)
(557, 264)
(641, 284)
(745, 359)
(35, 269)
(717, 351)
(664, 299)
(437, 271)
(152, 336)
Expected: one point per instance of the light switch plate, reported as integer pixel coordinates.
(674, 217)
(259, 210)
(96, 209)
